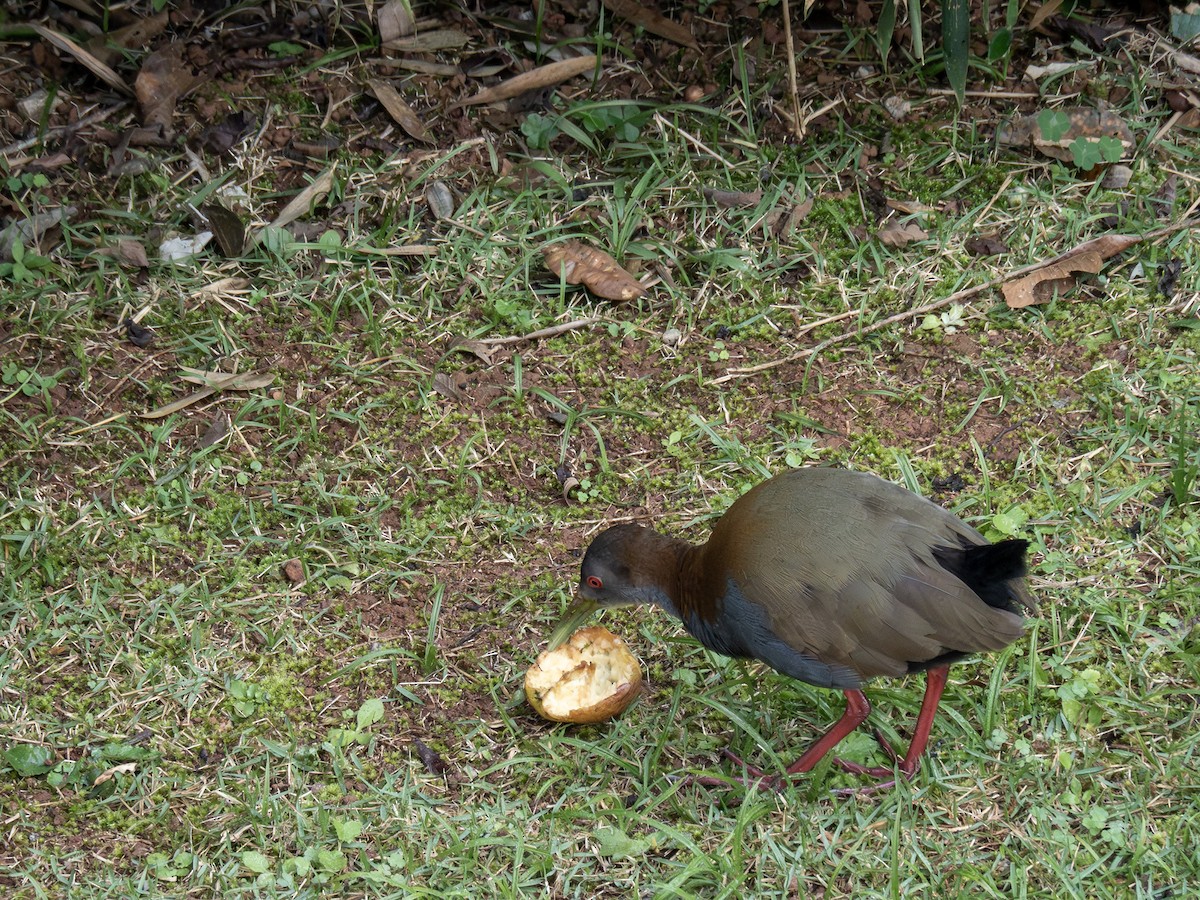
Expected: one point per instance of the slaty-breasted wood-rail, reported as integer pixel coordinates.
(829, 576)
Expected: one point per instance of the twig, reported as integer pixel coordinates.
(956, 297)
(552, 331)
(797, 124)
(98, 116)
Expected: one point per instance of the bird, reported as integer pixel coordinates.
(832, 577)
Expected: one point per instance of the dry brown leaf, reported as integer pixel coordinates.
(1058, 274)
(303, 201)
(404, 114)
(541, 77)
(395, 21)
(424, 66)
(578, 263)
(132, 253)
(896, 235)
(486, 353)
(654, 22)
(93, 65)
(108, 47)
(792, 220)
(732, 199)
(1047, 9)
(162, 80)
(448, 386)
(214, 382)
(217, 429)
(228, 381)
(429, 41)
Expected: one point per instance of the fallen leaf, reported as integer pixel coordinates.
(395, 21)
(303, 201)
(401, 112)
(896, 235)
(541, 77)
(792, 220)
(215, 381)
(484, 352)
(986, 245)
(228, 381)
(162, 80)
(1071, 124)
(430, 758)
(217, 429)
(227, 227)
(638, 13)
(138, 335)
(109, 773)
(177, 248)
(109, 47)
(732, 199)
(1057, 275)
(132, 253)
(221, 137)
(429, 41)
(1045, 11)
(1164, 198)
(446, 386)
(31, 230)
(578, 263)
(440, 200)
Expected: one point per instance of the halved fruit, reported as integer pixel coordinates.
(590, 678)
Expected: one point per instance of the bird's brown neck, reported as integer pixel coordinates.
(671, 573)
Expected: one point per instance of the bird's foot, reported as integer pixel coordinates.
(754, 778)
(885, 774)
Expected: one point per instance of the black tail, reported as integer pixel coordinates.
(987, 569)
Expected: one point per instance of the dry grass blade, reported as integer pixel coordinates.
(541, 77)
(89, 61)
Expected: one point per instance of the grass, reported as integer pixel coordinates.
(182, 714)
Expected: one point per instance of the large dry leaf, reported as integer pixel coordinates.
(429, 41)
(1057, 275)
(577, 263)
(303, 201)
(404, 114)
(95, 66)
(654, 22)
(163, 79)
(395, 21)
(894, 234)
(541, 77)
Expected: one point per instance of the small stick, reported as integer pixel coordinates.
(797, 123)
(552, 331)
(98, 116)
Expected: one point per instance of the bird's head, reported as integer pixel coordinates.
(616, 571)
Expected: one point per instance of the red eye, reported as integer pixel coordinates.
(594, 582)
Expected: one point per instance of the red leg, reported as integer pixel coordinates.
(935, 683)
(857, 710)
